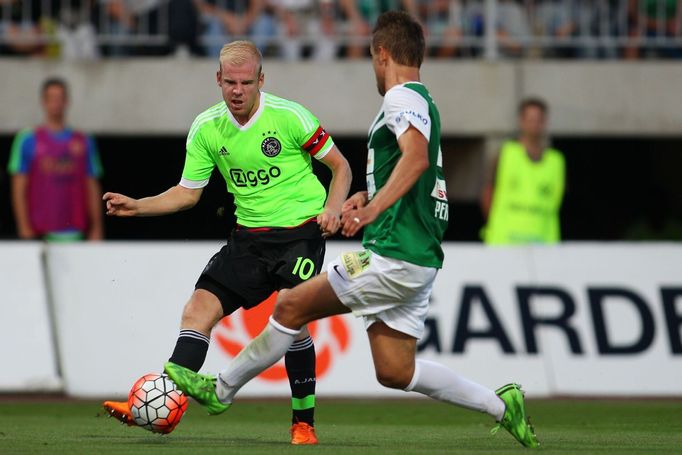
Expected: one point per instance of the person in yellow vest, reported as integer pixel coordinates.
(522, 198)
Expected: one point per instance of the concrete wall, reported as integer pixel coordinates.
(475, 98)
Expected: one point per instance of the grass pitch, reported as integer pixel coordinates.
(353, 427)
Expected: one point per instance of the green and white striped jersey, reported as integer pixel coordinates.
(411, 229)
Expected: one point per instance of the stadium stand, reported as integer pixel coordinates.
(323, 29)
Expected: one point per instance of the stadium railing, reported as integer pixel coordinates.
(490, 29)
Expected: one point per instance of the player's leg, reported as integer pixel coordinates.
(201, 313)
(297, 255)
(232, 279)
(213, 298)
(300, 364)
(393, 353)
(208, 304)
(314, 299)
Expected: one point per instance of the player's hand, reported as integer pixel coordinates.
(120, 205)
(360, 27)
(26, 233)
(95, 234)
(353, 220)
(292, 26)
(329, 222)
(356, 201)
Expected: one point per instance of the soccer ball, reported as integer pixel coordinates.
(156, 404)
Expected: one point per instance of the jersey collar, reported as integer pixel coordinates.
(253, 119)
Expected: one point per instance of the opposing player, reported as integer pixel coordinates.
(404, 212)
(263, 147)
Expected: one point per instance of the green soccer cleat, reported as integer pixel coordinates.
(515, 420)
(198, 386)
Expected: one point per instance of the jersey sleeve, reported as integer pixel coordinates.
(404, 107)
(21, 153)
(309, 135)
(199, 163)
(94, 163)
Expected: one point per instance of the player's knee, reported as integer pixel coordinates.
(285, 310)
(193, 317)
(393, 378)
(201, 313)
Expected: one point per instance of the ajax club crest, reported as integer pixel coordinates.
(271, 146)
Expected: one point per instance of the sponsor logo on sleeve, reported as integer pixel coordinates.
(414, 115)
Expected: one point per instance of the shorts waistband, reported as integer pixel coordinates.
(267, 229)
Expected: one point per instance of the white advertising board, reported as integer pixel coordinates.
(118, 313)
(26, 339)
(576, 319)
(567, 320)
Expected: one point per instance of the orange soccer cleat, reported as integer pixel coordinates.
(303, 434)
(119, 410)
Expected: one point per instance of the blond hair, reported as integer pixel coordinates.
(240, 52)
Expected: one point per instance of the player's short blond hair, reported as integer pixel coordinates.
(240, 52)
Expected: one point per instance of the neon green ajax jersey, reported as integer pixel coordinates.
(266, 163)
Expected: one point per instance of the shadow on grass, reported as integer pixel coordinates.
(210, 442)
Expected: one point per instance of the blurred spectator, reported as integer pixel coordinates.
(512, 28)
(176, 19)
(116, 23)
(75, 33)
(655, 19)
(557, 19)
(601, 23)
(76, 29)
(362, 15)
(523, 195)
(444, 23)
(55, 191)
(311, 19)
(23, 28)
(227, 20)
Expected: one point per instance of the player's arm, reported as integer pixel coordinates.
(94, 192)
(489, 189)
(21, 156)
(255, 9)
(173, 200)
(330, 219)
(413, 162)
(20, 206)
(185, 195)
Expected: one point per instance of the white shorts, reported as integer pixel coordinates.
(376, 288)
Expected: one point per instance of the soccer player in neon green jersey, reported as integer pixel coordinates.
(404, 212)
(263, 146)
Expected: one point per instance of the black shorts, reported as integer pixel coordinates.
(254, 264)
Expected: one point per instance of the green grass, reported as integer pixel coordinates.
(563, 426)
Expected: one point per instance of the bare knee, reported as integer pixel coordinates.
(202, 312)
(285, 311)
(394, 378)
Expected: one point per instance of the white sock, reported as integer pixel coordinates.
(266, 349)
(441, 383)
